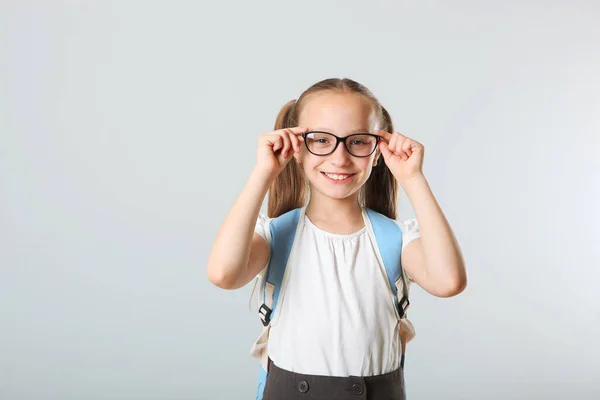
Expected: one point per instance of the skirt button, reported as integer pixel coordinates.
(357, 389)
(303, 387)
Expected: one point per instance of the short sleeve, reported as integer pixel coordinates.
(262, 227)
(410, 230)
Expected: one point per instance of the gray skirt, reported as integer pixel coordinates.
(285, 385)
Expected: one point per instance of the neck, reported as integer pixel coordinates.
(323, 208)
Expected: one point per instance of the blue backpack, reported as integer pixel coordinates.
(386, 234)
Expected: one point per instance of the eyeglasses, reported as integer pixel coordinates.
(324, 143)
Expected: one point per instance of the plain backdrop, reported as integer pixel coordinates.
(128, 128)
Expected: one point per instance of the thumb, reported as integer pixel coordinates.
(385, 150)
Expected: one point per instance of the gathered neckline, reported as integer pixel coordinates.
(334, 235)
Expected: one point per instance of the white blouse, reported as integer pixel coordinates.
(336, 317)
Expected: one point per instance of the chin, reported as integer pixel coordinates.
(335, 191)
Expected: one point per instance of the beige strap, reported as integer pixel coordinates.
(259, 349)
(269, 294)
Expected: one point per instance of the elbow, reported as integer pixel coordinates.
(458, 286)
(219, 278)
(453, 286)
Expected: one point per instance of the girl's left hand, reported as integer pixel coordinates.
(402, 155)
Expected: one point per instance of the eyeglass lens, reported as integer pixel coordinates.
(322, 143)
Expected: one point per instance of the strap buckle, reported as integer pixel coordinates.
(403, 306)
(265, 313)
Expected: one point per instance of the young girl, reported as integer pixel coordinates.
(334, 155)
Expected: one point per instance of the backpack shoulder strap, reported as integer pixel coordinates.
(283, 232)
(388, 236)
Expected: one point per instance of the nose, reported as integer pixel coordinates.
(340, 157)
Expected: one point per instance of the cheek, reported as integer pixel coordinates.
(309, 161)
(365, 164)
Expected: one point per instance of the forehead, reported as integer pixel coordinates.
(338, 113)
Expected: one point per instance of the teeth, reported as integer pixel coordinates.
(336, 177)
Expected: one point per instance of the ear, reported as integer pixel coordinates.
(377, 155)
(298, 158)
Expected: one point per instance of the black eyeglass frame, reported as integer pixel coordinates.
(343, 140)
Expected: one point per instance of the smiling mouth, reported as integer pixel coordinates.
(338, 177)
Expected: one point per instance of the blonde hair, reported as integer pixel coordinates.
(289, 189)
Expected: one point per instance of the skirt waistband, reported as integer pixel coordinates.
(282, 384)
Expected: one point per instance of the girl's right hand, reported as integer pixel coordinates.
(276, 149)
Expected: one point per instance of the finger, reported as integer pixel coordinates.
(400, 149)
(401, 136)
(293, 140)
(400, 145)
(277, 143)
(286, 144)
(384, 134)
(296, 130)
(393, 145)
(385, 150)
(285, 134)
(299, 140)
(407, 147)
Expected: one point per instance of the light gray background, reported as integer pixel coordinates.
(128, 129)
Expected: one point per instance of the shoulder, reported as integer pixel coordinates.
(263, 219)
(262, 227)
(263, 223)
(410, 230)
(408, 226)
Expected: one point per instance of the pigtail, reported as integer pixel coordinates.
(380, 191)
(288, 190)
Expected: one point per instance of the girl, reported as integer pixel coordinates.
(334, 154)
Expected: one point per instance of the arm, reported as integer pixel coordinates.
(434, 261)
(238, 254)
